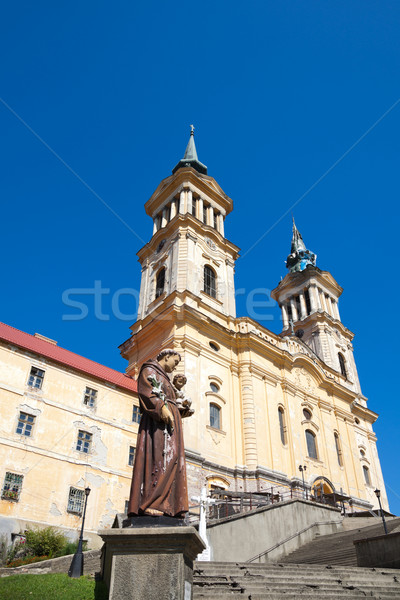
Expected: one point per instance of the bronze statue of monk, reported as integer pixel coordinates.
(159, 484)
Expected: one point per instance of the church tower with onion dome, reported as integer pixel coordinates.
(309, 301)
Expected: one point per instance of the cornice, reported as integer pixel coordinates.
(187, 177)
(311, 275)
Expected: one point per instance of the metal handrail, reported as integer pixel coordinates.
(291, 538)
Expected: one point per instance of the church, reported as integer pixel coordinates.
(270, 409)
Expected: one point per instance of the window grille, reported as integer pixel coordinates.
(76, 500)
(25, 424)
(311, 444)
(338, 450)
(84, 441)
(12, 486)
(342, 364)
(90, 397)
(131, 455)
(136, 414)
(36, 378)
(160, 283)
(366, 475)
(210, 287)
(282, 427)
(215, 416)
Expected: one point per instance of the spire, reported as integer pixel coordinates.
(299, 257)
(190, 158)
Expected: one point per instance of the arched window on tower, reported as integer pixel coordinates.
(210, 282)
(215, 416)
(342, 364)
(338, 450)
(311, 444)
(160, 282)
(366, 475)
(282, 424)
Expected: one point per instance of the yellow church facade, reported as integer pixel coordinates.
(265, 404)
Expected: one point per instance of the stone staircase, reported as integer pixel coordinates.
(249, 581)
(337, 548)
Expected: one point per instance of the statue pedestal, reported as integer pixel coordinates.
(150, 563)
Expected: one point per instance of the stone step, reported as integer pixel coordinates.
(283, 596)
(301, 580)
(257, 568)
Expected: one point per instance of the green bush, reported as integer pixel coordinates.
(45, 542)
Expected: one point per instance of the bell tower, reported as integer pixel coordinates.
(309, 301)
(188, 261)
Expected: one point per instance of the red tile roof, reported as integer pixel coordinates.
(65, 357)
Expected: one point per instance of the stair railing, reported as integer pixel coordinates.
(291, 537)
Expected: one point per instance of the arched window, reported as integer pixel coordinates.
(342, 364)
(366, 475)
(215, 416)
(210, 282)
(311, 444)
(160, 283)
(282, 425)
(338, 450)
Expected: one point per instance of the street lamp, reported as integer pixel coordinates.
(303, 468)
(378, 495)
(76, 568)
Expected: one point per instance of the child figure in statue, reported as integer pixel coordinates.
(183, 402)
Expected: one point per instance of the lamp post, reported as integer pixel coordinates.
(76, 568)
(303, 468)
(378, 495)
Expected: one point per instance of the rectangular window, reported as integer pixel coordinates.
(25, 424)
(84, 441)
(194, 206)
(215, 220)
(12, 486)
(36, 378)
(136, 414)
(131, 455)
(90, 397)
(76, 499)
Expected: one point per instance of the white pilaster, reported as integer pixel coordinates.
(200, 209)
(294, 310)
(189, 199)
(164, 219)
(182, 198)
(285, 318)
(210, 216)
(303, 307)
(221, 224)
(173, 209)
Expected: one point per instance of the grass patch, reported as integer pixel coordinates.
(51, 586)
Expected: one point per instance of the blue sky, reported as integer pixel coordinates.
(295, 109)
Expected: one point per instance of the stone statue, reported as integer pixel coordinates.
(183, 402)
(159, 484)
